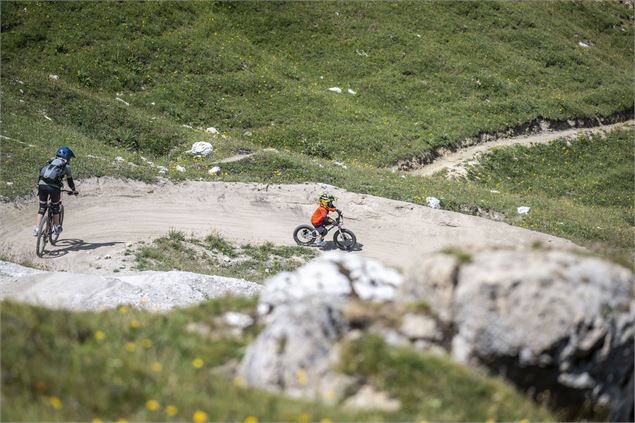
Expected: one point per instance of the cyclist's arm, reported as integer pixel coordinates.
(69, 178)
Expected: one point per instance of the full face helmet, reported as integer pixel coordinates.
(326, 200)
(65, 153)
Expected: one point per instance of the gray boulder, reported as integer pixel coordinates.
(304, 316)
(555, 323)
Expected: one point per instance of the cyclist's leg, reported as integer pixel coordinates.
(43, 195)
(55, 208)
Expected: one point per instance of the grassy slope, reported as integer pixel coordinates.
(427, 76)
(215, 256)
(55, 367)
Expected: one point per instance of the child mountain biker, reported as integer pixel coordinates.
(50, 183)
(320, 217)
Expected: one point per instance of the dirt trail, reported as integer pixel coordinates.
(110, 214)
(456, 161)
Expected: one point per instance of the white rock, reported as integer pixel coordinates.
(336, 90)
(523, 209)
(333, 274)
(214, 171)
(187, 126)
(494, 191)
(162, 169)
(433, 202)
(153, 103)
(351, 91)
(180, 168)
(202, 148)
(240, 320)
(212, 130)
(583, 44)
(122, 101)
(119, 159)
(54, 77)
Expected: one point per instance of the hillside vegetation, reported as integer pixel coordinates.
(140, 366)
(426, 74)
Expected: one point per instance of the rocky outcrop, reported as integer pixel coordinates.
(555, 323)
(304, 313)
(150, 290)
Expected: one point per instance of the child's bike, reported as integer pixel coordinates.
(343, 238)
(45, 230)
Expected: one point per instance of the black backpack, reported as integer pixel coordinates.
(53, 171)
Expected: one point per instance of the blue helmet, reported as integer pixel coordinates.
(65, 153)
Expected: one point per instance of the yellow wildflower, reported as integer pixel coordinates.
(251, 419)
(171, 410)
(523, 421)
(55, 402)
(96, 420)
(304, 418)
(301, 377)
(326, 420)
(123, 309)
(199, 416)
(152, 405)
(131, 347)
(147, 344)
(156, 367)
(198, 363)
(100, 335)
(135, 324)
(122, 420)
(490, 420)
(238, 381)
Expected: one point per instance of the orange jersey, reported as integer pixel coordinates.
(318, 216)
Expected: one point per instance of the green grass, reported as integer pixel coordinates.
(427, 74)
(214, 255)
(439, 385)
(68, 366)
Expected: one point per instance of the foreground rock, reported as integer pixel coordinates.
(555, 323)
(304, 313)
(157, 291)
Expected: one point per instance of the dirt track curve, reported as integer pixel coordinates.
(456, 161)
(111, 213)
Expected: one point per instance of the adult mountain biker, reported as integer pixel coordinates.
(50, 183)
(320, 217)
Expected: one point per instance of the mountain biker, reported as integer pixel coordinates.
(320, 217)
(50, 183)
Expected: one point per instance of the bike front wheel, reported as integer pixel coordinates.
(304, 235)
(345, 239)
(42, 237)
(55, 236)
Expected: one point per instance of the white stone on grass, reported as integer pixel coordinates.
(523, 209)
(212, 130)
(215, 171)
(433, 202)
(336, 90)
(202, 148)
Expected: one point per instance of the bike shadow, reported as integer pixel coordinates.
(330, 246)
(71, 245)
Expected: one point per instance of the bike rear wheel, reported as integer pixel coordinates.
(345, 239)
(55, 236)
(42, 236)
(304, 235)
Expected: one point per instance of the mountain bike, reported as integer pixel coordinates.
(343, 238)
(45, 230)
